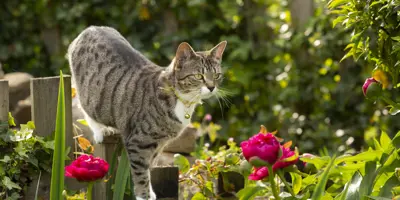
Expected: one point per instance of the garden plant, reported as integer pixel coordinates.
(312, 109)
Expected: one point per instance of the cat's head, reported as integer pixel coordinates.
(198, 74)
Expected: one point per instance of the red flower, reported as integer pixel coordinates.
(288, 158)
(263, 146)
(259, 173)
(87, 168)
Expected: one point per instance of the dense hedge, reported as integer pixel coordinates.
(284, 77)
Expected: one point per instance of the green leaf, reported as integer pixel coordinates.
(123, 171)
(378, 198)
(352, 187)
(182, 162)
(320, 188)
(57, 171)
(397, 38)
(370, 155)
(336, 3)
(385, 140)
(338, 20)
(11, 120)
(386, 190)
(369, 177)
(318, 162)
(249, 192)
(396, 140)
(83, 122)
(113, 164)
(296, 182)
(199, 196)
(394, 111)
(9, 184)
(6, 159)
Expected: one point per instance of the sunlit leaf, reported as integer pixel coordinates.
(296, 182)
(57, 173)
(320, 187)
(82, 121)
(182, 163)
(249, 192)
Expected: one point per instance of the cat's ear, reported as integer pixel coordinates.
(184, 51)
(218, 50)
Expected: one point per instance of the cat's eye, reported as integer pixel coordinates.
(198, 76)
(217, 76)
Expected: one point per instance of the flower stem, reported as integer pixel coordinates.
(89, 191)
(391, 102)
(286, 183)
(271, 177)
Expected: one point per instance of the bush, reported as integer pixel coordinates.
(23, 156)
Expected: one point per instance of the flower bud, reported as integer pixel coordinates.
(372, 89)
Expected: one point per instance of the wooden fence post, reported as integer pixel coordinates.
(165, 182)
(44, 96)
(105, 151)
(4, 103)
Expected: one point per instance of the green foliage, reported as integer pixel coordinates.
(367, 175)
(122, 177)
(22, 157)
(375, 32)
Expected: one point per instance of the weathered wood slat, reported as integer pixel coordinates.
(4, 100)
(165, 182)
(44, 96)
(105, 151)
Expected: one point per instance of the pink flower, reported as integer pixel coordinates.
(207, 117)
(288, 158)
(367, 83)
(263, 146)
(87, 168)
(259, 173)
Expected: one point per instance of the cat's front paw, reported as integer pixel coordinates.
(98, 137)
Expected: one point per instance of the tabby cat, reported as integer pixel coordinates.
(122, 91)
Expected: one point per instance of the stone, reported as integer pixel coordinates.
(166, 159)
(19, 84)
(185, 143)
(22, 111)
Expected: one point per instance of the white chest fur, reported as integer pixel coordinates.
(181, 110)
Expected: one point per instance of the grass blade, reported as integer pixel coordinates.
(123, 171)
(320, 188)
(57, 170)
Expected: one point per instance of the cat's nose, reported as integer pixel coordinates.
(211, 88)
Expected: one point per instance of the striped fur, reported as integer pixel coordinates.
(122, 91)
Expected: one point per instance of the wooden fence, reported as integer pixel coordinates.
(44, 94)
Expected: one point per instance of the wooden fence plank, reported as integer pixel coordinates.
(105, 151)
(165, 182)
(44, 96)
(4, 101)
